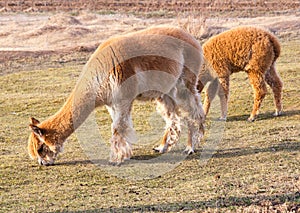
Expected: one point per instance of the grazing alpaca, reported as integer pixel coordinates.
(248, 49)
(159, 64)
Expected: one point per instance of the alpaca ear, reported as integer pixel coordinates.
(34, 121)
(36, 130)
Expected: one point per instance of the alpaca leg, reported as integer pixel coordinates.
(223, 94)
(122, 133)
(169, 111)
(258, 84)
(195, 133)
(188, 99)
(210, 94)
(274, 81)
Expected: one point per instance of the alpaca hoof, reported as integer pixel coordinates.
(222, 119)
(120, 150)
(277, 113)
(251, 119)
(115, 163)
(188, 150)
(161, 149)
(118, 161)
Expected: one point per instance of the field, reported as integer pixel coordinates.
(214, 6)
(239, 166)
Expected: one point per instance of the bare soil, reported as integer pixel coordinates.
(243, 7)
(28, 40)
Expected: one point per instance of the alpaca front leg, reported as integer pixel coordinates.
(122, 134)
(120, 149)
(223, 105)
(210, 94)
(223, 94)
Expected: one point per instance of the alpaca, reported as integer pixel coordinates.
(159, 63)
(250, 49)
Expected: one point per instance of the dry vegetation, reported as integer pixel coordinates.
(143, 5)
(256, 167)
(152, 6)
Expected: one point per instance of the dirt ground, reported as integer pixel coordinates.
(28, 40)
(128, 6)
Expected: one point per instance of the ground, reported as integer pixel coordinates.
(239, 166)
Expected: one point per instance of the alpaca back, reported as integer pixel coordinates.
(153, 49)
(234, 48)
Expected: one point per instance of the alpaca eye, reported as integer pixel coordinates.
(40, 150)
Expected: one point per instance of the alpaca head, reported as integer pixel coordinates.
(42, 144)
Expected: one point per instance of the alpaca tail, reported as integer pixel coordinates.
(276, 46)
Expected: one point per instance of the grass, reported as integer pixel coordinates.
(256, 166)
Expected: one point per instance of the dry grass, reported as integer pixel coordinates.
(193, 23)
(256, 166)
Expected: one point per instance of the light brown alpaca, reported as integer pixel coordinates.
(159, 64)
(248, 49)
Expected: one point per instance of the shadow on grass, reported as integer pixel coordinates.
(219, 153)
(263, 201)
(236, 152)
(72, 163)
(264, 116)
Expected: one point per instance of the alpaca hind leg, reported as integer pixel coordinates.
(195, 134)
(122, 133)
(169, 111)
(258, 84)
(189, 101)
(210, 94)
(223, 94)
(274, 81)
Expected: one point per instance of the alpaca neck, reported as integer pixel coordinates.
(73, 113)
(90, 91)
